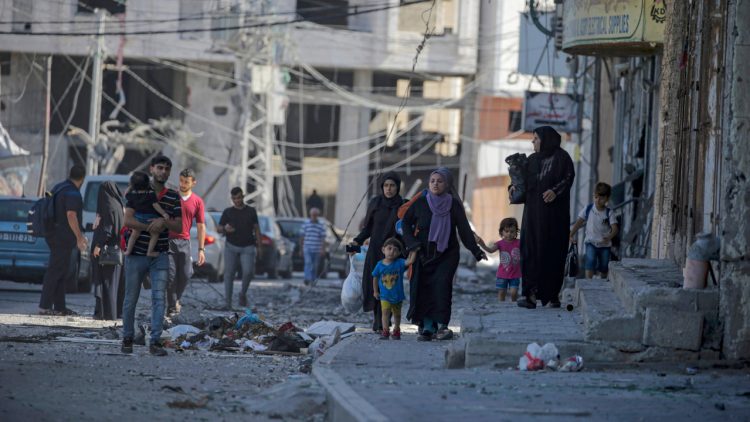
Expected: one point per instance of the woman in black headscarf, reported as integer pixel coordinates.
(432, 226)
(379, 225)
(546, 219)
(107, 279)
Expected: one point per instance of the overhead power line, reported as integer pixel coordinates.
(359, 11)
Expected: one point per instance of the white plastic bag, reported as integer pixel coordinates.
(351, 290)
(537, 357)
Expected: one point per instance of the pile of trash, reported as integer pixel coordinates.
(547, 357)
(251, 333)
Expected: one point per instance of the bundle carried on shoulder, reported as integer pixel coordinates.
(517, 164)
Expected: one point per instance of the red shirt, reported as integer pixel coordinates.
(191, 208)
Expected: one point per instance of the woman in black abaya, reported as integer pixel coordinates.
(546, 220)
(379, 225)
(108, 281)
(432, 227)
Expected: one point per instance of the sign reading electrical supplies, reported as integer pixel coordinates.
(549, 109)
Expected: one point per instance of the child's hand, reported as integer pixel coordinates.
(376, 293)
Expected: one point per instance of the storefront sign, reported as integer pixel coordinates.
(613, 27)
(549, 109)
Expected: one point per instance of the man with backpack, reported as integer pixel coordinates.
(62, 233)
(601, 228)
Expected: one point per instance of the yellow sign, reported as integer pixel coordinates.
(613, 27)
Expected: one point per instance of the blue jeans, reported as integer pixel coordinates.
(505, 283)
(597, 259)
(311, 264)
(136, 267)
(244, 256)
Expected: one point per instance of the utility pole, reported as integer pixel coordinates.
(47, 115)
(92, 165)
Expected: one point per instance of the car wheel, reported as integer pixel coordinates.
(272, 271)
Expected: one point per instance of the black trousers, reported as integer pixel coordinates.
(53, 288)
(180, 270)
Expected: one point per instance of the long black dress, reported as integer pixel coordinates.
(431, 284)
(546, 226)
(379, 225)
(109, 286)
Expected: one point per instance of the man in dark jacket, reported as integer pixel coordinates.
(66, 235)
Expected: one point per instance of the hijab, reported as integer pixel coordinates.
(440, 205)
(396, 200)
(550, 140)
(110, 207)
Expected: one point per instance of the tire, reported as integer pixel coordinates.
(213, 276)
(272, 271)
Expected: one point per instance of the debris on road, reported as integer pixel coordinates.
(327, 328)
(189, 404)
(572, 364)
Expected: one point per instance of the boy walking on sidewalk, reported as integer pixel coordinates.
(601, 228)
(388, 286)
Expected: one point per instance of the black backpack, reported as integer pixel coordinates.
(41, 219)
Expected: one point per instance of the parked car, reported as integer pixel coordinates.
(213, 268)
(275, 255)
(23, 257)
(335, 259)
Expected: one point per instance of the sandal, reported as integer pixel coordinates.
(68, 312)
(48, 312)
(526, 302)
(425, 337)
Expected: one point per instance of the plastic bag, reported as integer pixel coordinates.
(517, 164)
(536, 357)
(181, 330)
(249, 317)
(571, 262)
(572, 364)
(351, 290)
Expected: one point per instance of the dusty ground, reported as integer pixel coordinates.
(45, 379)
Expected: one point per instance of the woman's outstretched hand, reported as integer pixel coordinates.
(480, 256)
(549, 196)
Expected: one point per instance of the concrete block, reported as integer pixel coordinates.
(708, 300)
(455, 355)
(605, 319)
(709, 354)
(673, 329)
(673, 298)
(712, 331)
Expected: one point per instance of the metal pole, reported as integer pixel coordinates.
(244, 145)
(47, 115)
(92, 166)
(267, 198)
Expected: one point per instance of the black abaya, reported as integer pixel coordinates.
(431, 284)
(108, 280)
(546, 226)
(379, 225)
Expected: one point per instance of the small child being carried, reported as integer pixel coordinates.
(142, 198)
(388, 286)
(509, 270)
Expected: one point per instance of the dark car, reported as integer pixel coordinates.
(335, 259)
(24, 257)
(275, 255)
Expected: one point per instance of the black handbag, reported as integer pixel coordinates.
(110, 255)
(571, 262)
(517, 164)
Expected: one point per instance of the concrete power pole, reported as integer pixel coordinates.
(257, 130)
(47, 119)
(92, 165)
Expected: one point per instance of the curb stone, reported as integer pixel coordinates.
(344, 404)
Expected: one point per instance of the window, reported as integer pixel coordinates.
(515, 121)
(443, 19)
(22, 16)
(330, 13)
(114, 7)
(4, 63)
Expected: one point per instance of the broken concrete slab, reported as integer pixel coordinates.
(327, 328)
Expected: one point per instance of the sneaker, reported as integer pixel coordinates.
(384, 335)
(444, 334)
(127, 345)
(425, 336)
(555, 304)
(156, 349)
(396, 335)
(243, 300)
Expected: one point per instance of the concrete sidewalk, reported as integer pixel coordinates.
(368, 379)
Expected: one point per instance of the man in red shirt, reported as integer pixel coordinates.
(180, 258)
